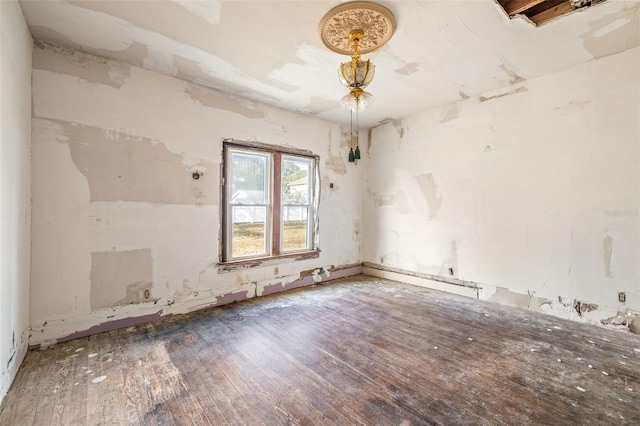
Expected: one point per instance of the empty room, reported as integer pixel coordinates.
(320, 212)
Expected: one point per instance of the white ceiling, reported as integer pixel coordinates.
(270, 51)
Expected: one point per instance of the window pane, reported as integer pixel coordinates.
(295, 222)
(296, 173)
(249, 231)
(249, 178)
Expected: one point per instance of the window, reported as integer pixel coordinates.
(270, 202)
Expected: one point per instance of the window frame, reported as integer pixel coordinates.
(273, 220)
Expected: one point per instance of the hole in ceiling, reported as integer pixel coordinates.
(542, 11)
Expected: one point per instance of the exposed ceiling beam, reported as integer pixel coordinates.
(514, 7)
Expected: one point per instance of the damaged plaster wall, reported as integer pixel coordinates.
(532, 192)
(121, 230)
(15, 190)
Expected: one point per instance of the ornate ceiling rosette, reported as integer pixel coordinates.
(375, 21)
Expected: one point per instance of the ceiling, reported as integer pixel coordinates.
(270, 51)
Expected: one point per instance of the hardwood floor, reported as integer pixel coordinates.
(355, 351)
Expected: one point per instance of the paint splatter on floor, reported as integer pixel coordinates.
(98, 379)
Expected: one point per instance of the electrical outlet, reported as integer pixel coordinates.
(622, 297)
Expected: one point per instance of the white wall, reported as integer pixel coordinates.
(15, 190)
(532, 192)
(116, 212)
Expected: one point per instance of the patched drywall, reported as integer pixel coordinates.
(113, 74)
(538, 186)
(211, 99)
(122, 167)
(429, 191)
(120, 278)
(121, 230)
(15, 190)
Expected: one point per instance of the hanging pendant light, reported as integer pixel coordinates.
(343, 30)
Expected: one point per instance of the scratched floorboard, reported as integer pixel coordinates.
(358, 351)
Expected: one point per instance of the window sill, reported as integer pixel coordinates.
(255, 262)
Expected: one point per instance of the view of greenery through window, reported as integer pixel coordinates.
(250, 197)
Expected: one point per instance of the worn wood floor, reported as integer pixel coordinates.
(357, 351)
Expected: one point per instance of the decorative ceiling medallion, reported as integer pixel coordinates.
(375, 21)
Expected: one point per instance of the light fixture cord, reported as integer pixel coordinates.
(351, 132)
(357, 132)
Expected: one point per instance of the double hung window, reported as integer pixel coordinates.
(270, 202)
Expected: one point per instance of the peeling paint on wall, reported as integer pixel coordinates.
(211, 99)
(583, 307)
(449, 113)
(122, 167)
(513, 92)
(78, 64)
(336, 162)
(120, 277)
(607, 251)
(430, 193)
(609, 31)
(514, 78)
(518, 300)
(463, 95)
(399, 199)
(400, 126)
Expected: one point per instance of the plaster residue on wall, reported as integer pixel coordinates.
(451, 265)
(400, 127)
(120, 278)
(399, 200)
(514, 78)
(191, 70)
(319, 103)
(573, 105)
(211, 99)
(408, 69)
(449, 113)
(133, 54)
(611, 30)
(607, 251)
(429, 190)
(521, 89)
(524, 301)
(87, 68)
(121, 167)
(335, 162)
